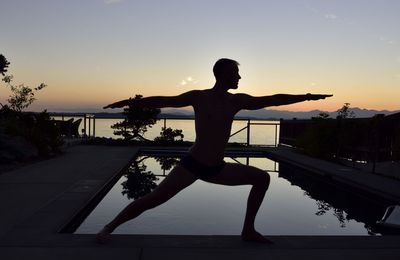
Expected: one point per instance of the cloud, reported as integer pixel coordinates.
(386, 40)
(109, 2)
(330, 16)
(188, 80)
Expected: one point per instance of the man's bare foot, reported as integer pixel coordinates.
(104, 236)
(254, 236)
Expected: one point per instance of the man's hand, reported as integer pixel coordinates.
(121, 103)
(316, 96)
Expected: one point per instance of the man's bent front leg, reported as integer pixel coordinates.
(237, 174)
(254, 201)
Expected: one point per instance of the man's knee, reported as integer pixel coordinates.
(265, 179)
(262, 178)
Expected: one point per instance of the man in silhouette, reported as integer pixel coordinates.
(214, 110)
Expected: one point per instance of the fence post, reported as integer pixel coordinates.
(276, 135)
(89, 126)
(165, 123)
(248, 132)
(94, 126)
(84, 124)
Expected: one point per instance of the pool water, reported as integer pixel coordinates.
(296, 203)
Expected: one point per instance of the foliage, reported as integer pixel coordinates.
(3, 65)
(167, 162)
(137, 120)
(345, 112)
(169, 135)
(22, 96)
(37, 128)
(319, 140)
(325, 137)
(139, 182)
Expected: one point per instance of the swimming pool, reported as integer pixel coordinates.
(297, 203)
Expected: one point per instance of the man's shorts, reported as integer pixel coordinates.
(202, 171)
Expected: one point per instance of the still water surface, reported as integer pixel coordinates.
(295, 204)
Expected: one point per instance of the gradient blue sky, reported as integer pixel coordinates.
(93, 52)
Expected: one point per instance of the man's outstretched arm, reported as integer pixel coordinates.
(182, 100)
(245, 101)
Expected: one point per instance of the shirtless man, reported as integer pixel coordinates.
(214, 110)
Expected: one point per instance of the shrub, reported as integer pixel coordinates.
(137, 120)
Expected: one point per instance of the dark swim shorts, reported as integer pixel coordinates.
(202, 171)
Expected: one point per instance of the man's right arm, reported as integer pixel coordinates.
(182, 100)
(244, 101)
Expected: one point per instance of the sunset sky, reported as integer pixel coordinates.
(93, 52)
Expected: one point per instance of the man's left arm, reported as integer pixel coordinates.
(244, 101)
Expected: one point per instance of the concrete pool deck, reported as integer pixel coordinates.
(37, 200)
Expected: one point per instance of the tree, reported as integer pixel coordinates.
(345, 112)
(137, 120)
(3, 65)
(169, 135)
(22, 96)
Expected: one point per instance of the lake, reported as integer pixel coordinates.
(259, 134)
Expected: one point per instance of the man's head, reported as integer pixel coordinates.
(226, 71)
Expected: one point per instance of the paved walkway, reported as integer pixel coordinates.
(36, 201)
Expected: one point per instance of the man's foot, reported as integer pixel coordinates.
(104, 236)
(254, 236)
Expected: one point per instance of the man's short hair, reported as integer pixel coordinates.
(221, 64)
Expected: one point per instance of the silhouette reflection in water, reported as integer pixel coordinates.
(138, 182)
(346, 204)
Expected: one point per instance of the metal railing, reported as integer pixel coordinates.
(273, 169)
(87, 125)
(247, 128)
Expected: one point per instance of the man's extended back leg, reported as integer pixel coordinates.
(177, 180)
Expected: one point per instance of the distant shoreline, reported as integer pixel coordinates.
(261, 114)
(161, 116)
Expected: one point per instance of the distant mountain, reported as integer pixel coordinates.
(278, 114)
(252, 114)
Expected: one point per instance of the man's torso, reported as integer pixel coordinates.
(213, 121)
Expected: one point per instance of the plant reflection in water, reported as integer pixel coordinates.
(139, 181)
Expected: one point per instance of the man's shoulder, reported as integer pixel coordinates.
(197, 93)
(239, 96)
